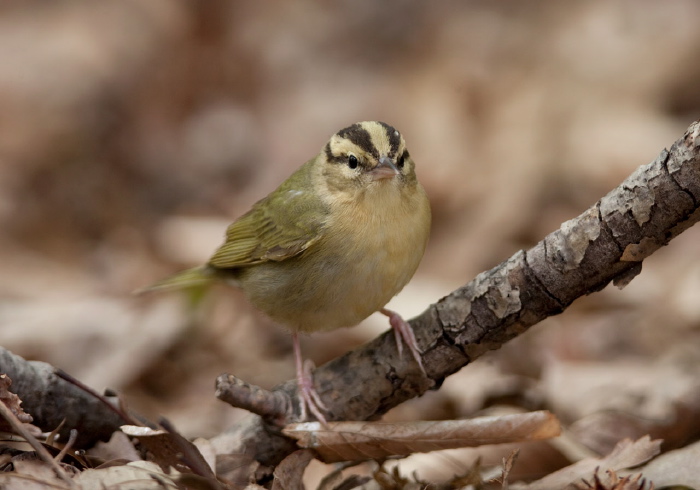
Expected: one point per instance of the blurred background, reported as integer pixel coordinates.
(132, 133)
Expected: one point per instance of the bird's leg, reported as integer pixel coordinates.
(404, 335)
(308, 398)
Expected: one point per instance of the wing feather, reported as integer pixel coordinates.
(280, 226)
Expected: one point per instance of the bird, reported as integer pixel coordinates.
(331, 245)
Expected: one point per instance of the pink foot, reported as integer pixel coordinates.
(309, 400)
(404, 335)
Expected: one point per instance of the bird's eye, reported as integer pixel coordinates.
(352, 161)
(401, 161)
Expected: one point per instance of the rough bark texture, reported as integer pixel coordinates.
(605, 243)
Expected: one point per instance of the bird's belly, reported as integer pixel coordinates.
(314, 293)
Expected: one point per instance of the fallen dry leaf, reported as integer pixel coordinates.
(119, 447)
(507, 467)
(354, 441)
(17, 481)
(139, 475)
(205, 448)
(12, 402)
(393, 480)
(611, 481)
(627, 454)
(170, 450)
(289, 473)
(678, 467)
(30, 472)
(657, 398)
(336, 481)
(240, 469)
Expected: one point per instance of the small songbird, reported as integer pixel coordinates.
(331, 245)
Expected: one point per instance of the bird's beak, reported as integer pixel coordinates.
(385, 170)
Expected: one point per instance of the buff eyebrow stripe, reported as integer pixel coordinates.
(330, 156)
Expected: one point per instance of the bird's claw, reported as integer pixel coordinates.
(404, 335)
(309, 400)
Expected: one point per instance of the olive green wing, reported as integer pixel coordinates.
(282, 225)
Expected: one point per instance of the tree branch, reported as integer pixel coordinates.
(607, 242)
(51, 400)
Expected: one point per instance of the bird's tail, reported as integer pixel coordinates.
(190, 278)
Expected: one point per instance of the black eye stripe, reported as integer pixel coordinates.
(394, 139)
(402, 159)
(360, 137)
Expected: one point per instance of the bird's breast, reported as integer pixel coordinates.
(377, 246)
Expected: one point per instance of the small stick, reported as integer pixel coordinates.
(71, 440)
(7, 414)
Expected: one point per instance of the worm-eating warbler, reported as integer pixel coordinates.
(332, 244)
